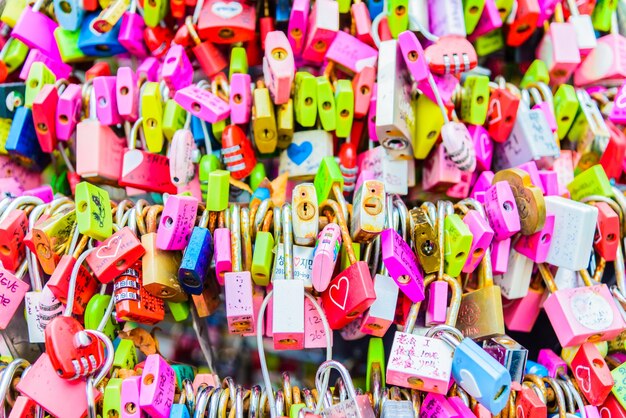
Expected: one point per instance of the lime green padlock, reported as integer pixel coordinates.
(328, 179)
(475, 99)
(112, 399)
(326, 104)
(257, 175)
(94, 312)
(375, 362)
(458, 241)
(602, 15)
(262, 258)
(397, 16)
(217, 129)
(344, 105)
(345, 260)
(38, 76)
(238, 61)
(428, 129)
(125, 356)
(592, 181)
(344, 6)
(305, 99)
(208, 163)
(536, 73)
(489, 43)
(295, 409)
(174, 117)
(154, 11)
(93, 211)
(12, 11)
(68, 45)
(565, 108)
(152, 114)
(179, 310)
(472, 10)
(218, 189)
(5, 127)
(504, 8)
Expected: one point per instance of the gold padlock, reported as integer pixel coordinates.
(425, 239)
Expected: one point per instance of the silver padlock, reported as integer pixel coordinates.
(353, 407)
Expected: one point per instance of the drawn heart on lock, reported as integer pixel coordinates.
(132, 159)
(116, 242)
(226, 10)
(299, 153)
(337, 286)
(583, 374)
(469, 384)
(495, 112)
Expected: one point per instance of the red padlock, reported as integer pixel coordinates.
(237, 152)
(227, 22)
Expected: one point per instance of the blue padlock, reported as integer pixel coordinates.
(283, 10)
(196, 261)
(69, 13)
(179, 411)
(375, 7)
(199, 131)
(475, 371)
(22, 143)
(532, 367)
(11, 98)
(99, 45)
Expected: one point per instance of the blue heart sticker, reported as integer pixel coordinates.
(299, 153)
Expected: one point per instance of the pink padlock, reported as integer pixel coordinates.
(501, 210)
(532, 170)
(106, 100)
(437, 306)
(547, 110)
(483, 235)
(618, 111)
(44, 117)
(500, 255)
(182, 155)
(158, 380)
(278, 66)
(239, 302)
(60, 69)
(549, 182)
(45, 193)
(36, 30)
(537, 245)
(240, 99)
(560, 53)
(439, 172)
(371, 115)
(415, 60)
(435, 405)
(483, 145)
(363, 87)
(222, 253)
(149, 69)
(127, 94)
(461, 190)
(446, 18)
(605, 62)
(350, 54)
(12, 291)
(99, 151)
(314, 332)
(402, 264)
(297, 27)
(377, 320)
(177, 221)
(176, 70)
(23, 407)
(131, 34)
(322, 29)
(202, 104)
(556, 366)
(68, 111)
(489, 20)
(362, 22)
(257, 301)
(325, 256)
(129, 400)
(459, 406)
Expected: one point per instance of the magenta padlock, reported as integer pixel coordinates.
(239, 306)
(549, 182)
(483, 145)
(402, 265)
(371, 115)
(556, 366)
(297, 26)
(158, 381)
(177, 221)
(58, 67)
(537, 245)
(435, 405)
(482, 237)
(446, 18)
(44, 193)
(36, 30)
(129, 398)
(68, 111)
(106, 100)
(149, 69)
(415, 60)
(501, 210)
(482, 184)
(437, 305)
(182, 154)
(489, 20)
(202, 104)
(127, 94)
(222, 253)
(500, 255)
(240, 98)
(278, 66)
(322, 29)
(131, 34)
(176, 70)
(546, 10)
(12, 291)
(459, 145)
(461, 190)
(350, 54)
(439, 171)
(618, 111)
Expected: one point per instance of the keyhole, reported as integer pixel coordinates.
(473, 9)
(130, 407)
(508, 206)
(296, 33)
(279, 54)
(428, 247)
(64, 119)
(237, 98)
(344, 113)
(124, 91)
(65, 6)
(42, 128)
(308, 101)
(400, 10)
(226, 33)
(365, 90)
(149, 379)
(413, 56)
(320, 46)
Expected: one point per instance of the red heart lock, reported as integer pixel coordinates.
(158, 40)
(451, 54)
(73, 351)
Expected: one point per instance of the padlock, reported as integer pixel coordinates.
(344, 107)
(325, 256)
(240, 98)
(561, 57)
(607, 52)
(592, 374)
(237, 152)
(156, 394)
(446, 18)
(11, 97)
(13, 290)
(22, 143)
(537, 245)
(177, 71)
(218, 190)
(524, 23)
(278, 66)
(39, 75)
(589, 131)
(326, 108)
(556, 365)
(473, 99)
(93, 211)
(44, 108)
(368, 215)
(395, 119)
(323, 25)
(351, 292)
(510, 354)
(132, 301)
(85, 286)
(402, 265)
(514, 282)
(457, 241)
(96, 44)
(131, 31)
(177, 221)
(13, 229)
(380, 315)
(363, 86)
(305, 214)
(482, 145)
(354, 405)
(11, 14)
(114, 255)
(530, 404)
(174, 118)
(483, 235)
(182, 155)
(584, 314)
(262, 258)
(606, 240)
(489, 20)
(437, 405)
(425, 240)
(49, 236)
(41, 39)
(227, 23)
(612, 406)
(439, 172)
(129, 401)
(68, 109)
(202, 103)
(111, 403)
(151, 104)
(502, 113)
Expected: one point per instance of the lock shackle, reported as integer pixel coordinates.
(220, 86)
(202, 400)
(535, 95)
(341, 221)
(246, 239)
(287, 390)
(212, 402)
(140, 208)
(255, 397)
(287, 223)
(187, 397)
(278, 227)
(345, 375)
(121, 210)
(463, 395)
(204, 219)
(260, 212)
(438, 99)
(235, 237)
(71, 290)
(547, 276)
(239, 402)
(19, 202)
(152, 218)
(543, 90)
(222, 405)
(36, 281)
(132, 137)
(558, 396)
(280, 403)
(567, 381)
(268, 392)
(405, 219)
(7, 376)
(4, 203)
(567, 395)
(446, 333)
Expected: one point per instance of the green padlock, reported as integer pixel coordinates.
(295, 409)
(345, 260)
(125, 356)
(174, 118)
(68, 45)
(208, 163)
(397, 16)
(565, 108)
(218, 188)
(458, 241)
(38, 76)
(238, 61)
(536, 73)
(504, 8)
(180, 310)
(14, 54)
(475, 99)
(375, 362)
(592, 181)
(428, 130)
(327, 179)
(154, 11)
(262, 258)
(257, 176)
(344, 105)
(5, 126)
(93, 211)
(619, 385)
(152, 114)
(305, 99)
(183, 372)
(217, 129)
(112, 400)
(94, 312)
(472, 10)
(489, 43)
(602, 15)
(326, 104)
